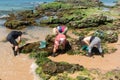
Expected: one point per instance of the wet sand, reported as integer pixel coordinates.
(14, 68)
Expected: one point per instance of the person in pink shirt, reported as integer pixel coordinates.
(60, 39)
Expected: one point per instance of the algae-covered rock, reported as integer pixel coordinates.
(54, 6)
(92, 21)
(30, 47)
(83, 78)
(110, 75)
(34, 47)
(111, 36)
(107, 36)
(86, 3)
(16, 24)
(21, 19)
(49, 68)
(55, 67)
(26, 14)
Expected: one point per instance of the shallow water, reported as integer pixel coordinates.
(36, 33)
(109, 2)
(7, 5)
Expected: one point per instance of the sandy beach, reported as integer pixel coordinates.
(22, 67)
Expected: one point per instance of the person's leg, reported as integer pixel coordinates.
(93, 42)
(55, 48)
(16, 48)
(64, 44)
(63, 47)
(90, 49)
(54, 51)
(13, 47)
(12, 42)
(100, 49)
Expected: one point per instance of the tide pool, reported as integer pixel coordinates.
(108, 2)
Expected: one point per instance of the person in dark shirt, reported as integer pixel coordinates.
(11, 37)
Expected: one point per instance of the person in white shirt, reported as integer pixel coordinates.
(91, 41)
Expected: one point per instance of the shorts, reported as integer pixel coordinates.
(12, 41)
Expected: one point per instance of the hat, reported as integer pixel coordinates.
(59, 28)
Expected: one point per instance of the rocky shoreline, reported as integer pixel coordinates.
(84, 18)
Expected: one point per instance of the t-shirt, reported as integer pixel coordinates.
(14, 35)
(87, 39)
(60, 39)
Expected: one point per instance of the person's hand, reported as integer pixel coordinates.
(19, 39)
(19, 42)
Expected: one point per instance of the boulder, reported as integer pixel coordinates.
(52, 68)
(89, 21)
(107, 36)
(16, 24)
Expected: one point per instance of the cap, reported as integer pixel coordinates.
(59, 28)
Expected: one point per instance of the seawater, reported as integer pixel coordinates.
(7, 6)
(109, 2)
(20, 4)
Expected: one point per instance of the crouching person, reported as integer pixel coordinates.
(60, 39)
(91, 41)
(11, 37)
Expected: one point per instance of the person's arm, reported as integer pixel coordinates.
(19, 39)
(86, 41)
